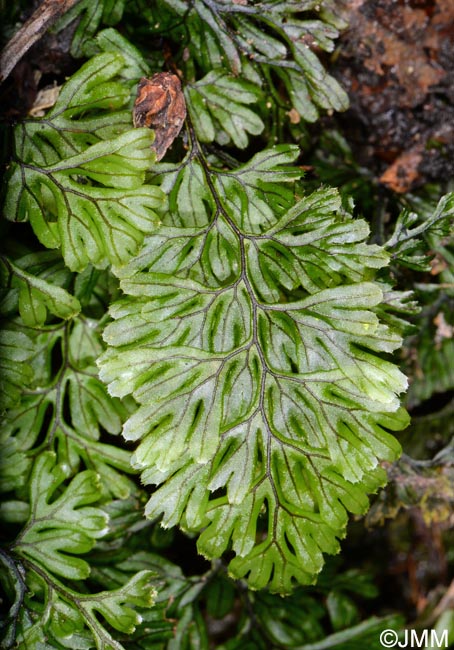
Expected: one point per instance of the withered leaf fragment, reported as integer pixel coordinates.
(160, 105)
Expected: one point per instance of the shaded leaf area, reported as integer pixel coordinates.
(63, 524)
(88, 16)
(427, 353)
(33, 281)
(36, 79)
(248, 335)
(202, 610)
(205, 609)
(217, 104)
(408, 246)
(210, 611)
(79, 173)
(58, 465)
(16, 350)
(428, 359)
(412, 516)
(66, 408)
(50, 380)
(396, 63)
(272, 43)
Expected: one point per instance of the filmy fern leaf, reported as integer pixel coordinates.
(38, 293)
(259, 40)
(16, 349)
(63, 525)
(251, 343)
(79, 175)
(218, 106)
(410, 240)
(248, 356)
(70, 406)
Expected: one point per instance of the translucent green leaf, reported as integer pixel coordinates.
(91, 224)
(275, 36)
(112, 605)
(408, 243)
(61, 526)
(298, 92)
(189, 199)
(251, 35)
(262, 417)
(67, 625)
(217, 103)
(88, 16)
(89, 108)
(253, 195)
(79, 174)
(14, 464)
(14, 511)
(33, 637)
(324, 90)
(342, 610)
(16, 348)
(109, 40)
(210, 16)
(69, 406)
(38, 296)
(78, 620)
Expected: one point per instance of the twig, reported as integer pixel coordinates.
(446, 602)
(31, 31)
